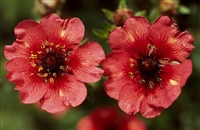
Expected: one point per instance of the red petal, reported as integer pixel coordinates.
(174, 78)
(149, 111)
(65, 92)
(133, 39)
(171, 44)
(130, 98)
(31, 88)
(86, 123)
(69, 31)
(120, 40)
(131, 123)
(116, 67)
(84, 62)
(29, 34)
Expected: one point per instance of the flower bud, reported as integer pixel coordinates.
(168, 5)
(120, 15)
(45, 7)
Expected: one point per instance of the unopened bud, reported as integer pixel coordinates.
(168, 5)
(120, 15)
(45, 7)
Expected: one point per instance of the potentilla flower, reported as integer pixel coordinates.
(47, 64)
(108, 118)
(148, 65)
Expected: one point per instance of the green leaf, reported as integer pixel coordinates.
(183, 9)
(122, 4)
(140, 13)
(103, 34)
(108, 14)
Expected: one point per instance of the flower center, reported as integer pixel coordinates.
(51, 61)
(148, 66)
(146, 70)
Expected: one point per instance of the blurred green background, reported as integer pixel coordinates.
(184, 114)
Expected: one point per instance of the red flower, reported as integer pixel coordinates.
(148, 66)
(108, 118)
(47, 64)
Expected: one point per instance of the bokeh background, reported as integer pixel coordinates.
(183, 114)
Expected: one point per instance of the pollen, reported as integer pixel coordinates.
(40, 68)
(54, 74)
(51, 80)
(33, 64)
(68, 67)
(57, 46)
(39, 52)
(131, 60)
(131, 74)
(62, 67)
(33, 56)
(42, 46)
(151, 84)
(45, 75)
(51, 61)
(131, 65)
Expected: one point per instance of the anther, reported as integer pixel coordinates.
(33, 56)
(54, 74)
(151, 84)
(39, 52)
(66, 59)
(131, 65)
(45, 75)
(63, 50)
(42, 46)
(33, 64)
(62, 67)
(63, 46)
(68, 67)
(142, 81)
(131, 60)
(57, 46)
(131, 74)
(159, 79)
(40, 68)
(46, 42)
(45, 80)
(69, 53)
(51, 80)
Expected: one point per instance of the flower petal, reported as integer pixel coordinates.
(130, 98)
(69, 31)
(120, 40)
(29, 34)
(116, 67)
(31, 88)
(84, 62)
(132, 38)
(170, 43)
(149, 111)
(174, 78)
(66, 91)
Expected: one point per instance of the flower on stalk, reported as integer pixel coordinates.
(108, 118)
(48, 65)
(148, 65)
